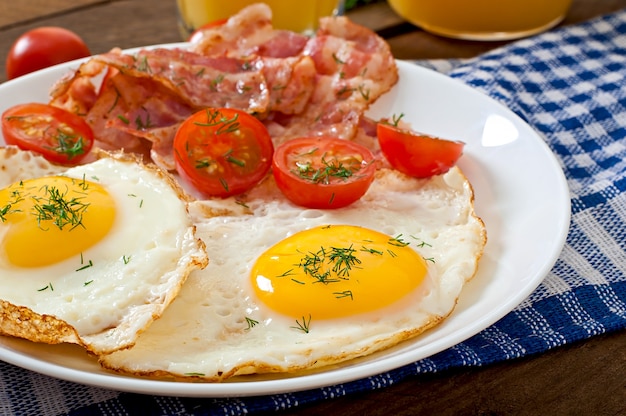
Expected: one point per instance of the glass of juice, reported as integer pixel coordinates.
(483, 19)
(295, 15)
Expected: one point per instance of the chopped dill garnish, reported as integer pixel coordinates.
(251, 323)
(59, 209)
(69, 144)
(48, 286)
(224, 124)
(303, 326)
(287, 273)
(371, 251)
(398, 241)
(329, 170)
(243, 204)
(344, 294)
(329, 265)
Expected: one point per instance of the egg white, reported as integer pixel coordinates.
(205, 333)
(117, 287)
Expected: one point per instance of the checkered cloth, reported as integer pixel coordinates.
(570, 85)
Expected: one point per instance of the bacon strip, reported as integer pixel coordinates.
(290, 82)
(249, 33)
(354, 67)
(202, 81)
(76, 91)
(298, 86)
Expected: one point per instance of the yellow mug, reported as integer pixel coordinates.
(483, 19)
(295, 15)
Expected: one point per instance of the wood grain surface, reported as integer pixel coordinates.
(587, 378)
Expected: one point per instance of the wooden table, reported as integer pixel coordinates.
(588, 378)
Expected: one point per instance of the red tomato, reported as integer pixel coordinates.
(43, 47)
(222, 151)
(415, 154)
(197, 34)
(323, 172)
(60, 136)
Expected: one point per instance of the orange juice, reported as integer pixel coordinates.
(482, 19)
(295, 15)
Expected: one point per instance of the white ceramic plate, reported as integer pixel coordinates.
(513, 173)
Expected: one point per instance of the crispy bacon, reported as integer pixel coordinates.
(354, 67)
(133, 114)
(290, 82)
(298, 86)
(202, 81)
(249, 33)
(76, 91)
(282, 44)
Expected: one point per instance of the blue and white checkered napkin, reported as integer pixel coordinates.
(570, 85)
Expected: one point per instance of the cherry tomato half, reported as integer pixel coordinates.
(222, 151)
(323, 172)
(43, 47)
(57, 134)
(415, 154)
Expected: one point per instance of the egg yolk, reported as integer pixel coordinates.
(336, 271)
(46, 220)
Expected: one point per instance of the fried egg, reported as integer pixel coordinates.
(291, 289)
(90, 254)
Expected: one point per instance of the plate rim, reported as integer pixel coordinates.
(321, 379)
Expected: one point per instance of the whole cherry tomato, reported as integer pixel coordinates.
(323, 172)
(43, 47)
(416, 154)
(222, 151)
(58, 135)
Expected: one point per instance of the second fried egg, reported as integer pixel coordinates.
(292, 289)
